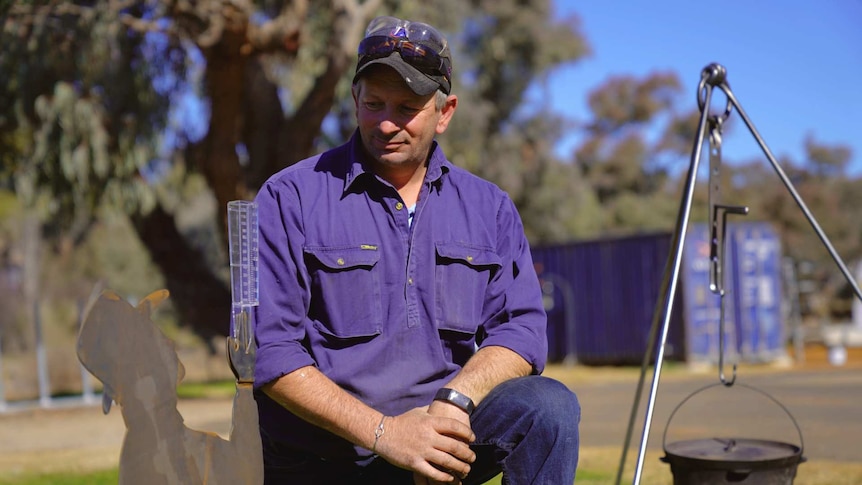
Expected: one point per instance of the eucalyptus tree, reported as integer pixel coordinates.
(631, 148)
(88, 105)
(94, 112)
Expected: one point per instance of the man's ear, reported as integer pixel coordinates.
(446, 113)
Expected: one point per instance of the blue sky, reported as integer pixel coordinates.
(795, 66)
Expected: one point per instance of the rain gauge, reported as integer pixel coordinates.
(243, 242)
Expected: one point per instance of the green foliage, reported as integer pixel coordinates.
(100, 477)
(81, 116)
(9, 205)
(509, 45)
(115, 256)
(625, 100)
(627, 171)
(827, 161)
(206, 390)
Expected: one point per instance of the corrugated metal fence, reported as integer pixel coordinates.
(603, 312)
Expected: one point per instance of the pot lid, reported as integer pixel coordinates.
(734, 451)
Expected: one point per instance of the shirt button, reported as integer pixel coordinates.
(469, 259)
(410, 281)
(340, 261)
(399, 206)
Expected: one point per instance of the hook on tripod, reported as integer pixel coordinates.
(717, 259)
(718, 212)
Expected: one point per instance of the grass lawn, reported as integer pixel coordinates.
(598, 466)
(102, 477)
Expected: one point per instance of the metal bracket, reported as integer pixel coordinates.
(241, 350)
(718, 213)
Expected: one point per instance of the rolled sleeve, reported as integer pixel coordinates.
(515, 316)
(280, 318)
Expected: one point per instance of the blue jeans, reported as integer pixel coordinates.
(526, 427)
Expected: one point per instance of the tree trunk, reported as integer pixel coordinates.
(299, 132)
(201, 299)
(262, 123)
(225, 71)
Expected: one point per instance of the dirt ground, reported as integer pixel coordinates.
(73, 435)
(77, 436)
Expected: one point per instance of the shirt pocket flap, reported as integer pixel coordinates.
(345, 258)
(469, 255)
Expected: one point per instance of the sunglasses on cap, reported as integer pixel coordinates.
(419, 44)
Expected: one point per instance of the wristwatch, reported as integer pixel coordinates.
(454, 397)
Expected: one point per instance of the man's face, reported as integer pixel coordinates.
(396, 125)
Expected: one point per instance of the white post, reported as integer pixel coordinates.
(86, 379)
(41, 360)
(2, 392)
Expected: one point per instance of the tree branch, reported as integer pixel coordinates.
(300, 131)
(281, 33)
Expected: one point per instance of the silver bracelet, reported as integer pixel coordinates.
(378, 433)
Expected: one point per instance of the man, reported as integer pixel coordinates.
(400, 326)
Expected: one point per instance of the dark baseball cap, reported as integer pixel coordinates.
(416, 51)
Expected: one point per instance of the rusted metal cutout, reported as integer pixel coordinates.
(139, 369)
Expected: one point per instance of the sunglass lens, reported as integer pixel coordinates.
(416, 55)
(383, 26)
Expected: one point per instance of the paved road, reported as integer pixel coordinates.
(825, 402)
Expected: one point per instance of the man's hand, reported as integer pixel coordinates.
(443, 409)
(435, 447)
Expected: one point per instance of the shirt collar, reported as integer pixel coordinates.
(359, 166)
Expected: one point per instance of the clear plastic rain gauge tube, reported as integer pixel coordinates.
(243, 242)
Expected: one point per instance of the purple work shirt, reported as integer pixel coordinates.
(389, 311)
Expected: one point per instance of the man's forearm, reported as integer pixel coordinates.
(309, 394)
(434, 447)
(489, 367)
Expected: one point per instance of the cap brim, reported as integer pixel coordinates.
(418, 82)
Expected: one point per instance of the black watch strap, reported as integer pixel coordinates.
(454, 397)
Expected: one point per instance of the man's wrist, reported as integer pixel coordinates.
(455, 398)
(378, 433)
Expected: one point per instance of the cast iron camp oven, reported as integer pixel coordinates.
(729, 460)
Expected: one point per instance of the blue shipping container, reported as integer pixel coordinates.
(702, 307)
(757, 280)
(754, 328)
(601, 296)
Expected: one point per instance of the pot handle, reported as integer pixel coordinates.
(763, 393)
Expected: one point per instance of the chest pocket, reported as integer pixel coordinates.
(462, 274)
(345, 290)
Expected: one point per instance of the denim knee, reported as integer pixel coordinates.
(542, 395)
(531, 426)
(545, 402)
